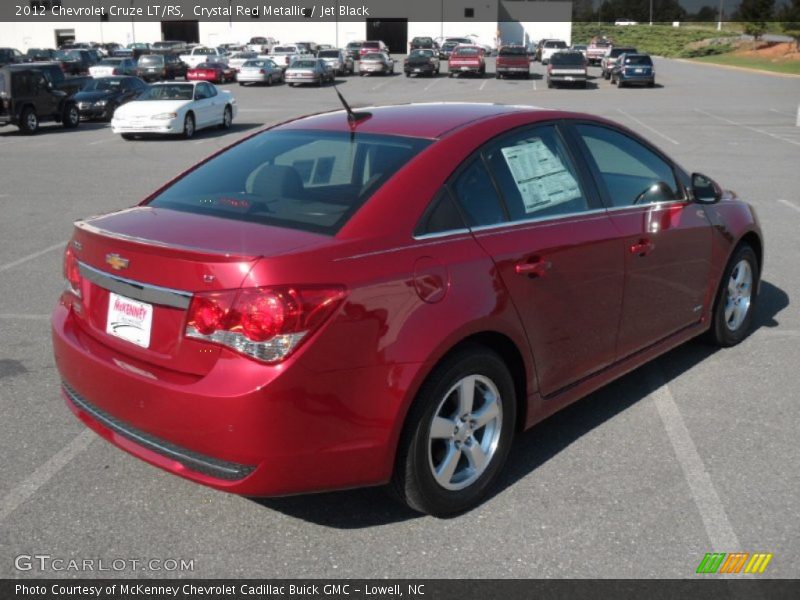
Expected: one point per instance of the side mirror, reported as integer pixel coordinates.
(705, 189)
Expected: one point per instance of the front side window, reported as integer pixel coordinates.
(632, 173)
(535, 175)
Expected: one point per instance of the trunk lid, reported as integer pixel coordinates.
(145, 263)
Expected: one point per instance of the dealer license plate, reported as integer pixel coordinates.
(129, 319)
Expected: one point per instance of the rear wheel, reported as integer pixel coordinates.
(457, 434)
(127, 136)
(736, 298)
(188, 126)
(28, 121)
(70, 118)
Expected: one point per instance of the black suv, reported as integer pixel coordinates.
(26, 99)
(9, 56)
(158, 67)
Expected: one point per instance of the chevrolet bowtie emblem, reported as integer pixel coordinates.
(116, 262)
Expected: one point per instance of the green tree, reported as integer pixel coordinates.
(754, 15)
(790, 21)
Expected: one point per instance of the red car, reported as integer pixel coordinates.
(389, 296)
(467, 59)
(213, 72)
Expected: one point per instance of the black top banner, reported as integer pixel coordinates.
(411, 10)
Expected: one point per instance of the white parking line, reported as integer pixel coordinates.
(199, 142)
(389, 79)
(646, 126)
(25, 259)
(712, 512)
(534, 85)
(101, 141)
(756, 129)
(483, 85)
(44, 473)
(432, 83)
(782, 112)
(790, 204)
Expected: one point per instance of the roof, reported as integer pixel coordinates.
(426, 120)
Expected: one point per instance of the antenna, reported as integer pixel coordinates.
(352, 116)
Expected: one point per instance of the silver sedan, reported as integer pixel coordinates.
(260, 70)
(376, 62)
(309, 70)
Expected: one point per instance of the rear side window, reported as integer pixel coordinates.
(477, 196)
(535, 175)
(308, 180)
(632, 173)
(442, 216)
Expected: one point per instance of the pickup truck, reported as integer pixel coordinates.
(512, 60)
(597, 50)
(202, 54)
(55, 76)
(262, 45)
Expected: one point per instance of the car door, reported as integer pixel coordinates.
(202, 105)
(667, 238)
(536, 214)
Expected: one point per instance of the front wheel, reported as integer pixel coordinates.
(188, 126)
(457, 434)
(71, 118)
(227, 118)
(736, 298)
(29, 121)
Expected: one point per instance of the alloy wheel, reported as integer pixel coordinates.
(737, 300)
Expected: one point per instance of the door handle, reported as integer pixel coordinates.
(643, 247)
(533, 268)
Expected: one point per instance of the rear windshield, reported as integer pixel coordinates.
(353, 45)
(615, 52)
(422, 40)
(513, 51)
(328, 54)
(304, 64)
(284, 49)
(555, 44)
(151, 59)
(110, 62)
(373, 56)
(309, 180)
(371, 45)
(567, 58)
(638, 60)
(466, 52)
(421, 54)
(102, 84)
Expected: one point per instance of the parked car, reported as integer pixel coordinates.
(582, 48)
(610, 58)
(446, 49)
(307, 48)
(353, 50)
(261, 45)
(39, 55)
(422, 43)
(203, 54)
(512, 60)
(175, 109)
(567, 67)
(214, 72)
(633, 69)
(260, 70)
(338, 60)
(237, 59)
(309, 70)
(113, 66)
(10, 56)
(285, 55)
(74, 62)
(372, 47)
(550, 47)
(422, 62)
(376, 62)
(467, 59)
(624, 22)
(27, 99)
(100, 97)
(597, 50)
(57, 79)
(158, 67)
(433, 266)
(168, 46)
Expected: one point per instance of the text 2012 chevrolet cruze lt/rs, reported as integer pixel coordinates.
(387, 297)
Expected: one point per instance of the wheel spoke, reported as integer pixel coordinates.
(444, 473)
(487, 413)
(466, 395)
(729, 311)
(739, 277)
(442, 428)
(475, 455)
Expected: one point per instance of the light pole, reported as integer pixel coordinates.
(651, 13)
(719, 16)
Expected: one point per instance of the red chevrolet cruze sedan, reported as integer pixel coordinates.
(356, 299)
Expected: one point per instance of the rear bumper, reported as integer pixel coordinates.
(564, 78)
(512, 69)
(244, 427)
(637, 79)
(422, 68)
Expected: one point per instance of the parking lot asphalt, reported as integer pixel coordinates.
(693, 453)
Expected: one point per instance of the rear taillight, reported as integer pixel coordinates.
(116, 72)
(72, 273)
(262, 71)
(265, 323)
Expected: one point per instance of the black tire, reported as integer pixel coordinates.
(110, 108)
(606, 75)
(651, 83)
(227, 118)
(721, 333)
(413, 480)
(408, 74)
(241, 83)
(498, 76)
(189, 125)
(620, 84)
(70, 117)
(28, 121)
(127, 136)
(549, 84)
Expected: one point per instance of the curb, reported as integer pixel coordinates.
(735, 68)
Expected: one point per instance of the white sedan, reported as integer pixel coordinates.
(175, 108)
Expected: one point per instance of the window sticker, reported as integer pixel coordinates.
(541, 177)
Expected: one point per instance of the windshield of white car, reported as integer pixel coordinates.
(172, 91)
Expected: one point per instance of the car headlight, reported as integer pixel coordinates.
(164, 116)
(101, 103)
